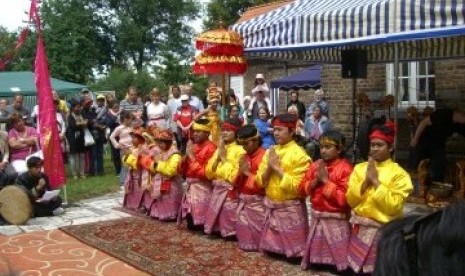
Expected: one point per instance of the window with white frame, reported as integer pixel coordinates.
(416, 83)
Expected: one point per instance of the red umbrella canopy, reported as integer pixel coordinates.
(214, 64)
(220, 42)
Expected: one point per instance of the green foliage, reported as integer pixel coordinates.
(228, 10)
(120, 80)
(141, 29)
(71, 39)
(7, 42)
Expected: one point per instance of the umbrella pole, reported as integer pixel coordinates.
(223, 89)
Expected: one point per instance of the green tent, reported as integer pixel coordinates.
(23, 82)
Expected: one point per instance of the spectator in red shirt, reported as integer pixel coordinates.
(184, 118)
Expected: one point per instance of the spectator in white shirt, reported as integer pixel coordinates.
(173, 104)
(193, 100)
(158, 113)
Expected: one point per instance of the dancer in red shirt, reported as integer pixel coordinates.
(199, 188)
(326, 184)
(251, 211)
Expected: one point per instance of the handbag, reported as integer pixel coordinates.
(88, 138)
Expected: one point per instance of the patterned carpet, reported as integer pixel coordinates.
(161, 248)
(56, 253)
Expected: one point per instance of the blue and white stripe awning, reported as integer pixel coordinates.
(318, 29)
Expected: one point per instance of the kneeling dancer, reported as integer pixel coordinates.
(280, 173)
(251, 212)
(326, 184)
(199, 188)
(376, 193)
(222, 168)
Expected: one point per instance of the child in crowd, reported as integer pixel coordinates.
(121, 139)
(260, 86)
(264, 127)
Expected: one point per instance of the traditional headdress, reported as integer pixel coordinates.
(202, 125)
(247, 133)
(333, 137)
(164, 135)
(285, 120)
(231, 124)
(386, 132)
(137, 132)
(148, 135)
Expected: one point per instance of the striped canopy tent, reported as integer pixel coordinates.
(317, 30)
(389, 31)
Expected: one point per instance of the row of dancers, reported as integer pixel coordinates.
(238, 189)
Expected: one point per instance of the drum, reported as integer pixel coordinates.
(15, 206)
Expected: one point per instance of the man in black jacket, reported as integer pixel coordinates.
(297, 103)
(36, 183)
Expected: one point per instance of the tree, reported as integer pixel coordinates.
(228, 10)
(120, 80)
(142, 29)
(72, 42)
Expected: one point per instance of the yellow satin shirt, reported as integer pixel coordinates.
(294, 163)
(385, 202)
(169, 168)
(229, 169)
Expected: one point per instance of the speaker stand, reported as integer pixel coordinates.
(354, 121)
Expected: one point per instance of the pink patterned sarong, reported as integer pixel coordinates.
(328, 240)
(361, 255)
(286, 227)
(165, 205)
(147, 198)
(195, 200)
(221, 212)
(133, 191)
(250, 221)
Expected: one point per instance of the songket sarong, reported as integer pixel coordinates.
(221, 212)
(195, 200)
(147, 198)
(328, 240)
(286, 227)
(133, 191)
(363, 242)
(167, 196)
(250, 221)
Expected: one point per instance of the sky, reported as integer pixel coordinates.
(12, 14)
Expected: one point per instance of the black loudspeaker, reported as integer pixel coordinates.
(354, 64)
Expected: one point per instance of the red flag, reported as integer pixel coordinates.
(49, 139)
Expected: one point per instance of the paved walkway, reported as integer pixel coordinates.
(86, 211)
(101, 209)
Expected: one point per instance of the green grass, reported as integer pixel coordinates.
(92, 186)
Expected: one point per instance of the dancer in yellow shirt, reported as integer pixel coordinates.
(280, 172)
(376, 193)
(223, 169)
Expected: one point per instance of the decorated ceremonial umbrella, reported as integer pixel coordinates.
(222, 53)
